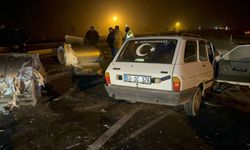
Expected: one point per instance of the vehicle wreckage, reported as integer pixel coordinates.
(21, 78)
(233, 68)
(84, 58)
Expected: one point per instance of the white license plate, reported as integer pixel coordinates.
(137, 79)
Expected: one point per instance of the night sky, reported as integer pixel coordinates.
(59, 17)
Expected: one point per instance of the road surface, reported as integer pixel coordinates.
(75, 112)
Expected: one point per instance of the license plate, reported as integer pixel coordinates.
(137, 79)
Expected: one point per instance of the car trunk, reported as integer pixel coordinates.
(142, 75)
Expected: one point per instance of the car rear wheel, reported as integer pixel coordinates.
(192, 107)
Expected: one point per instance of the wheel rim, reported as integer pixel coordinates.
(196, 101)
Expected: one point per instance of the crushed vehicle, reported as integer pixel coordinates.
(234, 67)
(167, 70)
(21, 78)
(84, 58)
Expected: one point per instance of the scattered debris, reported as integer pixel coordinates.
(4, 111)
(68, 93)
(72, 146)
(57, 76)
(21, 78)
(107, 126)
(103, 111)
(214, 104)
(96, 106)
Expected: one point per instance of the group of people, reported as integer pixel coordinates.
(114, 39)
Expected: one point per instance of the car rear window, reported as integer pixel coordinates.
(148, 51)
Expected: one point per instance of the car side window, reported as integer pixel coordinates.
(190, 54)
(210, 52)
(202, 51)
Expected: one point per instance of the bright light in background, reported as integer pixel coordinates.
(177, 24)
(114, 18)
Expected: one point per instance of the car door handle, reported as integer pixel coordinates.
(240, 69)
(116, 68)
(164, 72)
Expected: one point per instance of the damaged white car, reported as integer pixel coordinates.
(167, 70)
(84, 58)
(234, 67)
(21, 78)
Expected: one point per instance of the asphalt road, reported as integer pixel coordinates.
(75, 112)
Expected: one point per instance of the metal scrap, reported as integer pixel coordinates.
(21, 78)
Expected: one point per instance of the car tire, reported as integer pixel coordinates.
(192, 107)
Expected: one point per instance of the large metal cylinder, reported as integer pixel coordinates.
(87, 54)
(74, 40)
(83, 57)
(79, 54)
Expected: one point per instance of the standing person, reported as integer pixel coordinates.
(117, 38)
(129, 33)
(110, 41)
(92, 36)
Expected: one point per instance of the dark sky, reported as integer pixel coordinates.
(59, 17)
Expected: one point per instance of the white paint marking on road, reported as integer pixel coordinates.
(149, 125)
(112, 130)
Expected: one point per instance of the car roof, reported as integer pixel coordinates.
(167, 37)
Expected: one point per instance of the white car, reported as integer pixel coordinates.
(167, 70)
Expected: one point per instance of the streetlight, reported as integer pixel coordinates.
(114, 18)
(177, 26)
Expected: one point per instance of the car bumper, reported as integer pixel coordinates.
(134, 94)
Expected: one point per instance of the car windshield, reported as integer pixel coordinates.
(148, 51)
(240, 53)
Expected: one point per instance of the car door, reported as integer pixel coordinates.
(190, 69)
(206, 69)
(234, 67)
